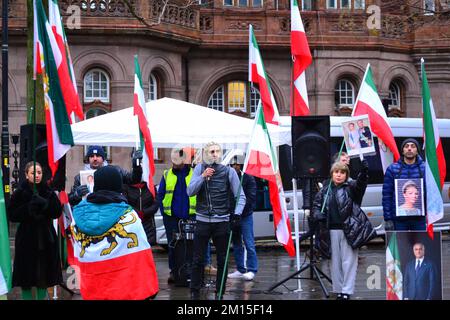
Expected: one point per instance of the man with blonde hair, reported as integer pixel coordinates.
(214, 185)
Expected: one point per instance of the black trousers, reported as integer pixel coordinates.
(219, 232)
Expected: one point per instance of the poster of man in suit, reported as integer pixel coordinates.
(419, 259)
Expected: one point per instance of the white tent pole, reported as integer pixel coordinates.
(297, 243)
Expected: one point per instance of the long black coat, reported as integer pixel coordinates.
(36, 260)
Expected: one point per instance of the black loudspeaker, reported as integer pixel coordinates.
(311, 146)
(26, 155)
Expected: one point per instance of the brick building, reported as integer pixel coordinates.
(199, 53)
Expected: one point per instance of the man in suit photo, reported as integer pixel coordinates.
(420, 276)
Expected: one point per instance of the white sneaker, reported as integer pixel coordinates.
(236, 275)
(249, 276)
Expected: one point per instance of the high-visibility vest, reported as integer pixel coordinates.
(171, 181)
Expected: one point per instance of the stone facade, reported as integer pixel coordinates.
(192, 50)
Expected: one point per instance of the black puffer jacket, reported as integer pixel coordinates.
(141, 199)
(356, 226)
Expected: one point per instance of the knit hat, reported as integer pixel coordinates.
(98, 150)
(409, 140)
(107, 178)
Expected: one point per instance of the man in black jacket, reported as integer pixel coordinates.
(95, 158)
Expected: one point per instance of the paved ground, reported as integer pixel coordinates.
(276, 265)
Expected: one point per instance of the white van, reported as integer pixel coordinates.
(402, 128)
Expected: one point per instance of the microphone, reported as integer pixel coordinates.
(208, 166)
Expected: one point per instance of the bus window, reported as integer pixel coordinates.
(262, 195)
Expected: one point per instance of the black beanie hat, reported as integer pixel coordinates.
(409, 140)
(107, 178)
(98, 150)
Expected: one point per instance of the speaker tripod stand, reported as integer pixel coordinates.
(314, 271)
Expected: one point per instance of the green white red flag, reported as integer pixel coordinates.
(145, 141)
(394, 277)
(5, 253)
(261, 161)
(368, 102)
(301, 55)
(47, 58)
(257, 74)
(65, 67)
(435, 166)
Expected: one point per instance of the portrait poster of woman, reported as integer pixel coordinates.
(358, 136)
(409, 197)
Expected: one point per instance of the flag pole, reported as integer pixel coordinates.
(297, 242)
(33, 115)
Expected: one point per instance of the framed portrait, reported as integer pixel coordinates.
(409, 197)
(413, 266)
(87, 178)
(358, 136)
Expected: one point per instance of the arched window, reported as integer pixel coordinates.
(344, 93)
(394, 95)
(152, 87)
(96, 86)
(235, 96)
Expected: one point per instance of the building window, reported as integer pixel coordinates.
(429, 7)
(216, 101)
(96, 86)
(243, 3)
(394, 101)
(360, 4)
(344, 94)
(152, 88)
(257, 3)
(331, 4)
(235, 96)
(345, 4)
(307, 5)
(227, 2)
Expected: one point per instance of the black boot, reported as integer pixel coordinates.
(195, 295)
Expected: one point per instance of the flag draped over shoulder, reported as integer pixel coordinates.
(5, 253)
(435, 166)
(257, 74)
(368, 102)
(261, 161)
(148, 164)
(116, 265)
(301, 56)
(47, 58)
(65, 68)
(394, 277)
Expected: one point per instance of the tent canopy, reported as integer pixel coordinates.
(173, 123)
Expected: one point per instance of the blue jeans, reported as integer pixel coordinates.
(245, 234)
(410, 224)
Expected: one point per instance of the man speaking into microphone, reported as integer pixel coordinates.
(215, 186)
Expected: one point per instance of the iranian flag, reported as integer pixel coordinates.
(394, 277)
(257, 74)
(368, 102)
(65, 67)
(302, 59)
(5, 254)
(261, 161)
(121, 257)
(145, 139)
(435, 167)
(47, 57)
